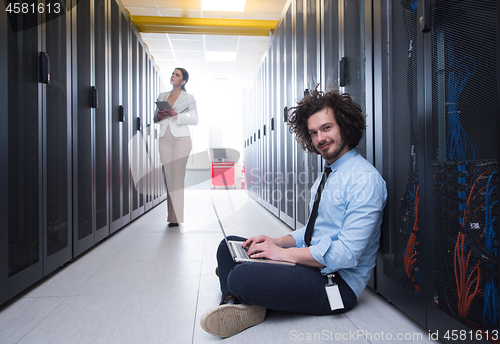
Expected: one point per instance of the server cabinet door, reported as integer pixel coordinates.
(353, 58)
(101, 123)
(146, 119)
(273, 132)
(464, 274)
(289, 140)
(299, 65)
(266, 147)
(20, 142)
(312, 63)
(329, 44)
(269, 128)
(119, 119)
(281, 124)
(137, 121)
(57, 194)
(90, 150)
(400, 273)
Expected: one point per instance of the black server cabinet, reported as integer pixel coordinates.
(119, 118)
(299, 63)
(137, 125)
(352, 58)
(146, 120)
(153, 145)
(461, 117)
(281, 123)
(436, 99)
(258, 125)
(329, 44)
(90, 125)
(401, 261)
(35, 140)
(21, 152)
(312, 78)
(134, 108)
(272, 125)
(289, 141)
(56, 133)
(264, 134)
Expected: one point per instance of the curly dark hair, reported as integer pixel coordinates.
(348, 116)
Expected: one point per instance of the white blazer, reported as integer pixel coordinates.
(185, 106)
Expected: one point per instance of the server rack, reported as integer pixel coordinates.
(398, 156)
(21, 141)
(289, 142)
(137, 120)
(299, 66)
(257, 136)
(147, 120)
(436, 100)
(312, 77)
(90, 125)
(281, 122)
(273, 130)
(56, 133)
(461, 75)
(267, 167)
(119, 118)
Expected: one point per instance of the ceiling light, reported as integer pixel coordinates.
(220, 55)
(223, 5)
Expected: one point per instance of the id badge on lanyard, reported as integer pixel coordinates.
(333, 293)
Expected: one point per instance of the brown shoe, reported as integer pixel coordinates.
(229, 299)
(231, 317)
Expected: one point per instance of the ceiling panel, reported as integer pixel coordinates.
(189, 56)
(171, 50)
(188, 45)
(221, 45)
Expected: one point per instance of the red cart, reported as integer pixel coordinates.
(222, 174)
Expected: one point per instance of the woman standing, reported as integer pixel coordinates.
(175, 142)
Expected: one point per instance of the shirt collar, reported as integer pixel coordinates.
(340, 161)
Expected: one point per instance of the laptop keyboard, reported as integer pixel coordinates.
(242, 251)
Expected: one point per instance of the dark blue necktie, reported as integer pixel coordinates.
(314, 212)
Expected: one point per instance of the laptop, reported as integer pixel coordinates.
(239, 254)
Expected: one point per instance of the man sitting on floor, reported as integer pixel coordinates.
(334, 253)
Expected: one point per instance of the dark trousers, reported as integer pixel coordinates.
(298, 289)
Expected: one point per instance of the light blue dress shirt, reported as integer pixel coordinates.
(346, 233)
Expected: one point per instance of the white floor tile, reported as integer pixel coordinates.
(150, 283)
(18, 319)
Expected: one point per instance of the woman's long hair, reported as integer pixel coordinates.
(185, 76)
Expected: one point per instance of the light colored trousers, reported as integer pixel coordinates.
(174, 154)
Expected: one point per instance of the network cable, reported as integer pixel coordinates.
(458, 76)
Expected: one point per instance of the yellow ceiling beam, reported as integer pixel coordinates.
(206, 26)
